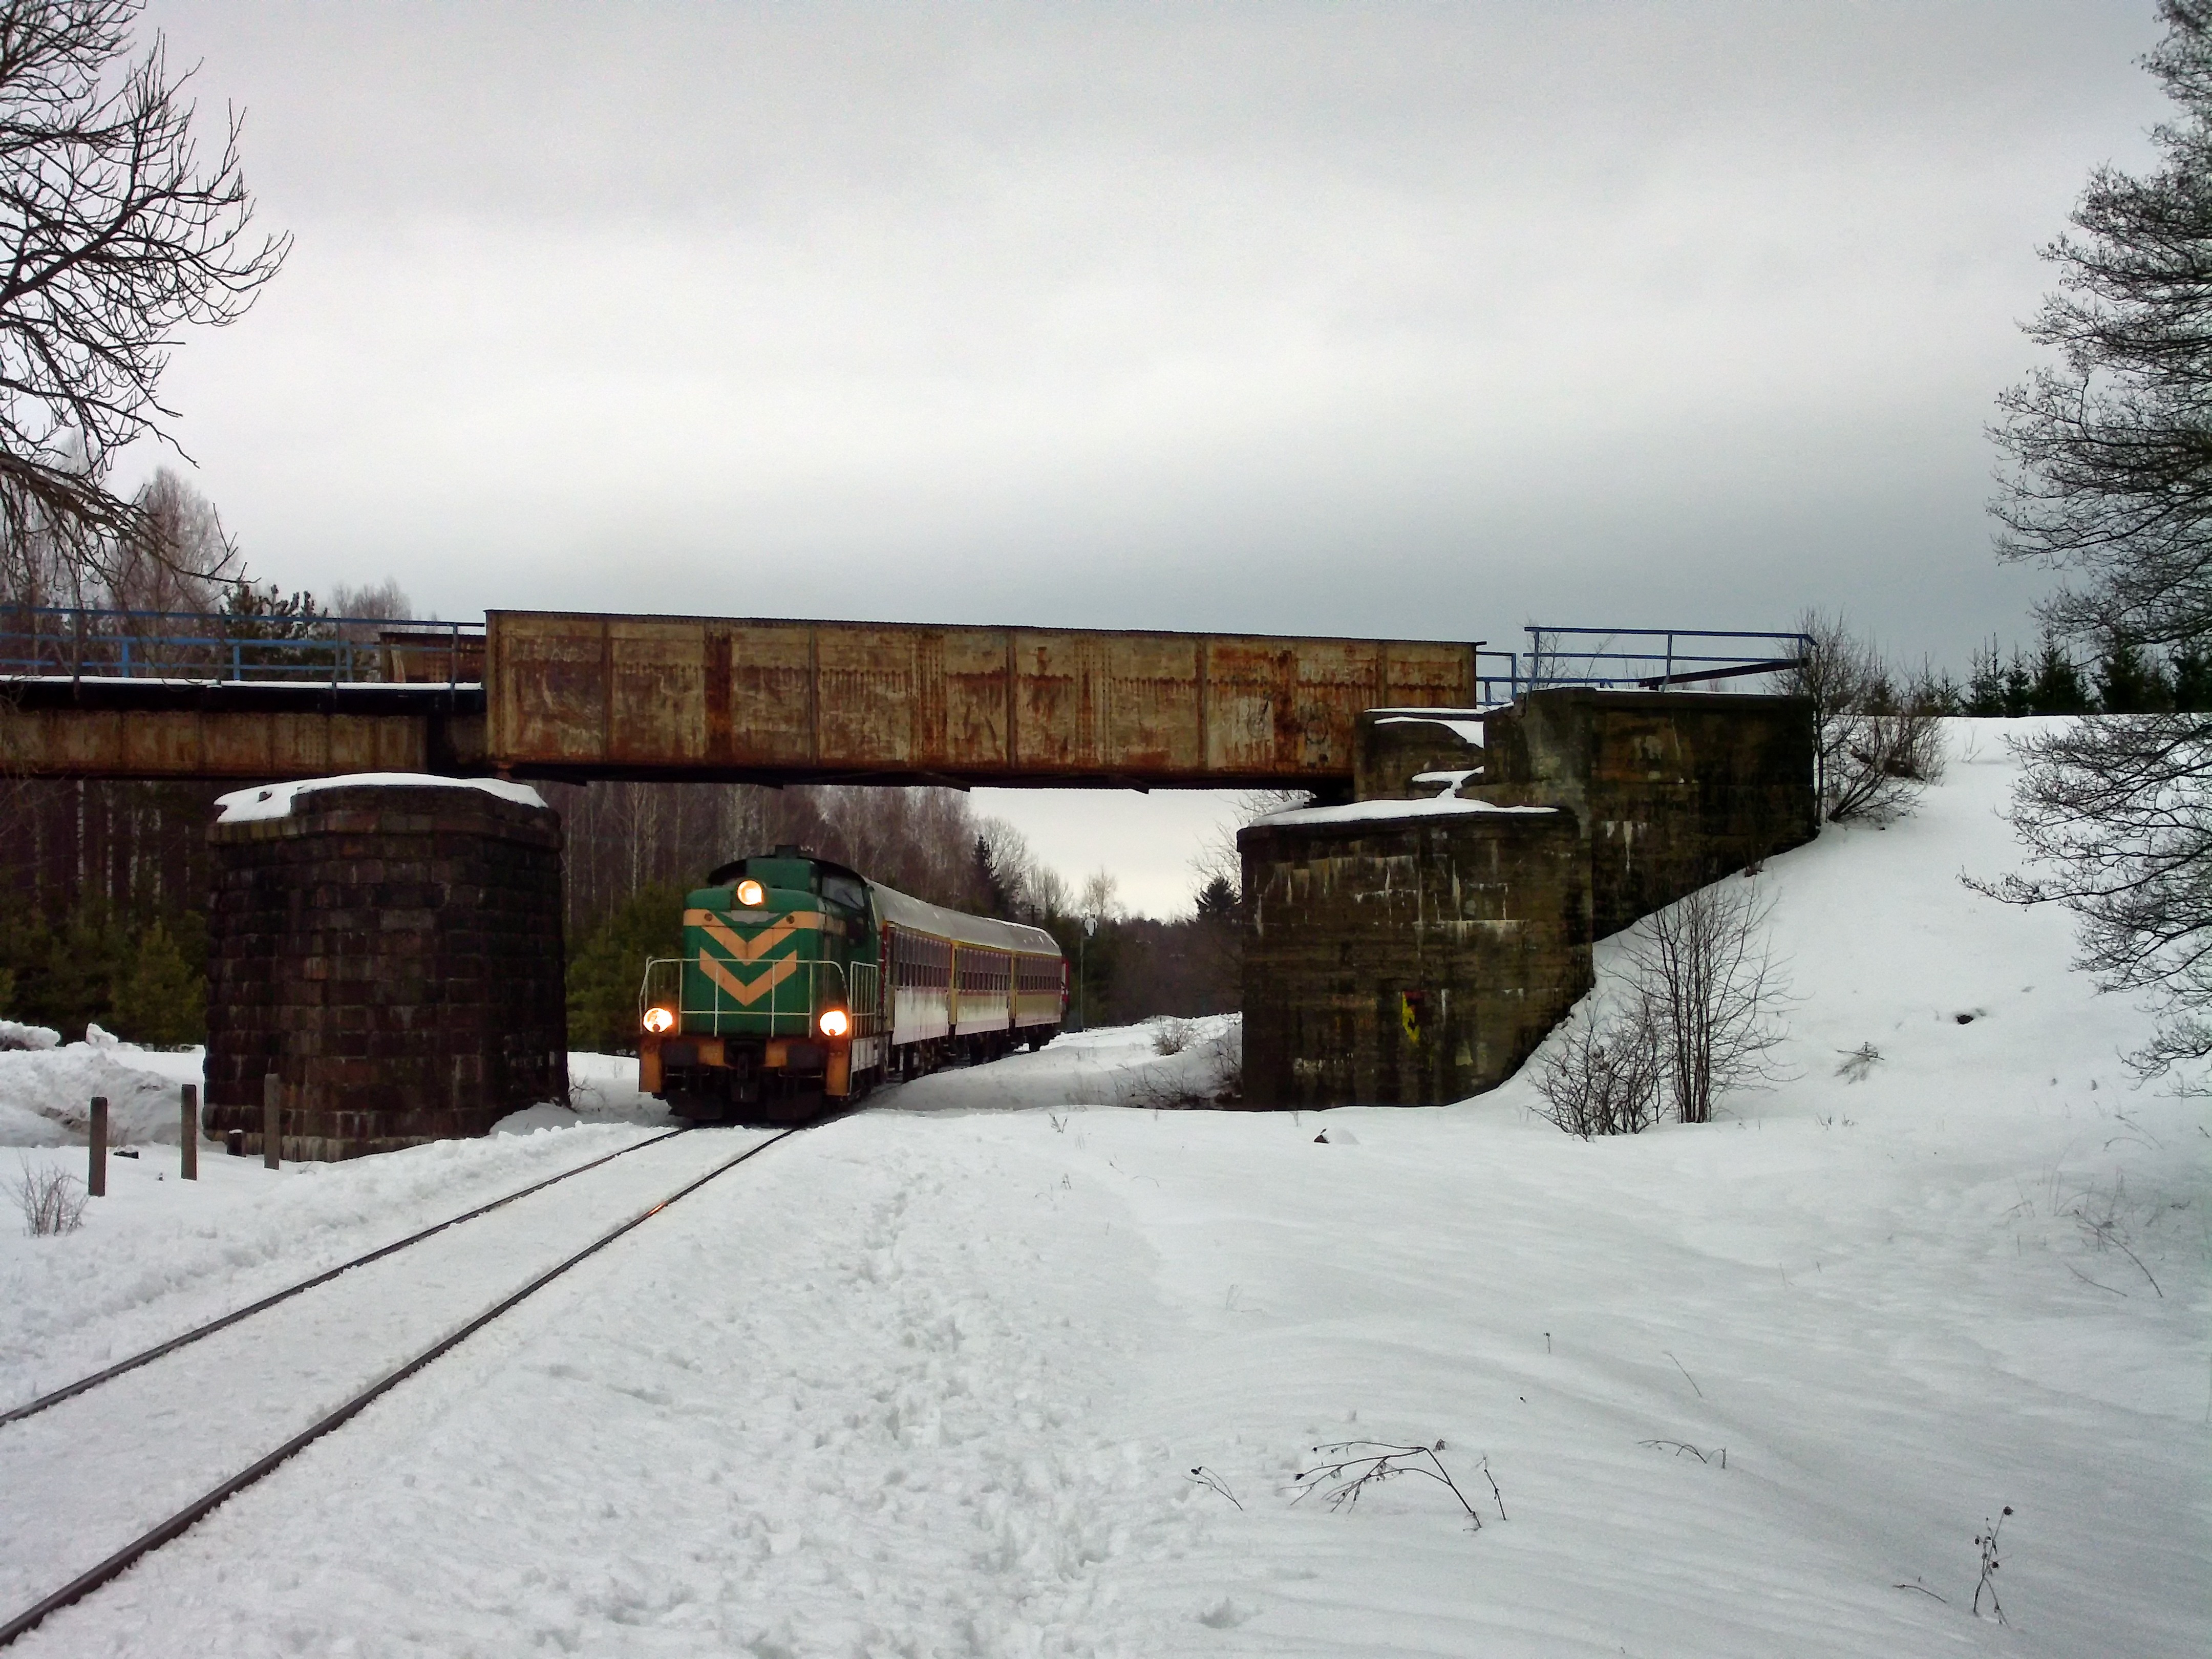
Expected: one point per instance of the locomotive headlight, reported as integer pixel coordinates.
(659, 1020)
(751, 893)
(834, 1023)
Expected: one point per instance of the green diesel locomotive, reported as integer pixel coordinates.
(803, 984)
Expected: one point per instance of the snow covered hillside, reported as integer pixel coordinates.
(933, 1379)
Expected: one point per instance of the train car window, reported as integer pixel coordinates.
(847, 890)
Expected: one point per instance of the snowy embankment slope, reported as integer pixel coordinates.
(931, 1379)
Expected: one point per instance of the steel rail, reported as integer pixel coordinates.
(82, 1585)
(85, 1383)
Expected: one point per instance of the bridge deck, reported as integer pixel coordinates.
(57, 726)
(582, 696)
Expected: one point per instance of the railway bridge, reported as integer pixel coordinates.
(576, 697)
(1485, 814)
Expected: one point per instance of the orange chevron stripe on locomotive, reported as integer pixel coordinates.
(722, 929)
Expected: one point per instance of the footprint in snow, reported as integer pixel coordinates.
(1226, 1614)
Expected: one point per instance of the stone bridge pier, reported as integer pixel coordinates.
(1413, 946)
(390, 949)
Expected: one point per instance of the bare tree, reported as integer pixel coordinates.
(623, 835)
(1602, 1074)
(1218, 860)
(1044, 895)
(114, 236)
(177, 556)
(2109, 481)
(2110, 484)
(2117, 810)
(384, 601)
(1100, 899)
(1880, 743)
(1712, 992)
(1035, 891)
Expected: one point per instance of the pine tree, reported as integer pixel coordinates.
(1218, 943)
(993, 894)
(607, 967)
(1985, 688)
(1218, 901)
(2128, 682)
(2058, 688)
(2192, 678)
(159, 998)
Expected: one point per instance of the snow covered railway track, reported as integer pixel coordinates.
(147, 1356)
(55, 1470)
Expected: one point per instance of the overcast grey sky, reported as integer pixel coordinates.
(1408, 320)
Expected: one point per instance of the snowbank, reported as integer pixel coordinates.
(46, 1093)
(1359, 811)
(275, 800)
(602, 1089)
(1465, 723)
(1115, 1066)
(15, 1036)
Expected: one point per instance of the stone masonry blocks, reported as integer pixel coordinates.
(1673, 788)
(394, 953)
(1408, 957)
(1406, 961)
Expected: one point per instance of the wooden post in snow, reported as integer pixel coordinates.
(95, 1181)
(272, 1120)
(191, 1112)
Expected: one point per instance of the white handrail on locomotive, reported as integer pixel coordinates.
(859, 997)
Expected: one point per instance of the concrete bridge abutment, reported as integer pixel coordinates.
(1412, 948)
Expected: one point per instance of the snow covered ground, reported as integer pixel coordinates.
(933, 1379)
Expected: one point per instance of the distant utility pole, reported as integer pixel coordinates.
(1082, 979)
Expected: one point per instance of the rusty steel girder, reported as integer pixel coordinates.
(257, 731)
(587, 696)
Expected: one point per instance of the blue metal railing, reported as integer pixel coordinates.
(1678, 656)
(82, 643)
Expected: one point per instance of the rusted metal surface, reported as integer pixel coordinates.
(93, 744)
(149, 729)
(585, 695)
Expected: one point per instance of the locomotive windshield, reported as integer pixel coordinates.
(847, 890)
